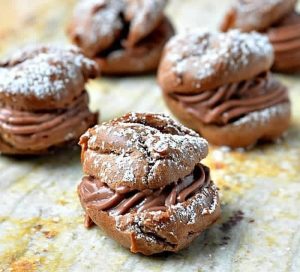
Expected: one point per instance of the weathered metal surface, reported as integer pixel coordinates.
(41, 223)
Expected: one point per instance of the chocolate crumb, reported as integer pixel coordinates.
(232, 221)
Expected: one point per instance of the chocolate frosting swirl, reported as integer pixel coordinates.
(39, 130)
(285, 38)
(93, 192)
(227, 103)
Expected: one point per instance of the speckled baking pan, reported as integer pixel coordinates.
(41, 223)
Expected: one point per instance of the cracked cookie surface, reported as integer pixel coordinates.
(144, 183)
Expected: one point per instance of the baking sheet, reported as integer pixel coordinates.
(41, 221)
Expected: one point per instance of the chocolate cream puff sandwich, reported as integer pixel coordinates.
(278, 19)
(43, 102)
(144, 183)
(122, 36)
(219, 84)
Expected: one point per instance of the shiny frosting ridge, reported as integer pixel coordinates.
(232, 101)
(96, 194)
(41, 129)
(285, 38)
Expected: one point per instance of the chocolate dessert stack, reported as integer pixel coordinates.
(43, 102)
(220, 85)
(145, 185)
(279, 20)
(122, 36)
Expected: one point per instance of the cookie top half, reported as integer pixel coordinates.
(256, 15)
(141, 151)
(41, 78)
(198, 61)
(97, 25)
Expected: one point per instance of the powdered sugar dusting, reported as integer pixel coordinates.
(125, 164)
(98, 24)
(206, 201)
(201, 52)
(144, 148)
(264, 116)
(145, 15)
(250, 6)
(190, 212)
(45, 71)
(104, 16)
(145, 8)
(185, 146)
(252, 13)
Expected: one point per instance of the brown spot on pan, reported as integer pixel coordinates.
(23, 265)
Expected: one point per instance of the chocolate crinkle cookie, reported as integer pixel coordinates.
(278, 19)
(219, 84)
(43, 103)
(145, 185)
(123, 36)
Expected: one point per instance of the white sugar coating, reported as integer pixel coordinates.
(145, 13)
(133, 225)
(215, 201)
(186, 146)
(104, 16)
(125, 165)
(253, 13)
(200, 51)
(135, 117)
(155, 143)
(264, 116)
(96, 24)
(256, 5)
(151, 143)
(200, 202)
(45, 71)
